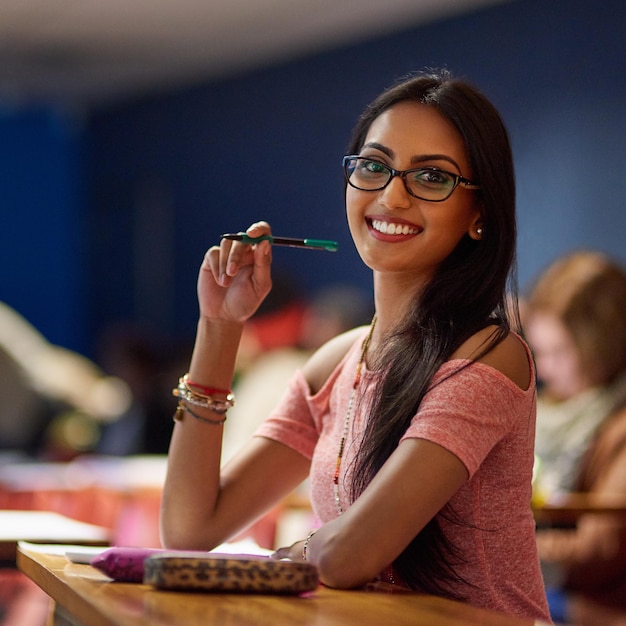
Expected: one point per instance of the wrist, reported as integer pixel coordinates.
(219, 326)
(215, 352)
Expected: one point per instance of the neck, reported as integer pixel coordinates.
(392, 298)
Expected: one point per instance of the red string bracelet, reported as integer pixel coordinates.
(209, 391)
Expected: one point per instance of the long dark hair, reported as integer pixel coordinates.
(467, 293)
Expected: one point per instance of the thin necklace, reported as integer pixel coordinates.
(346, 421)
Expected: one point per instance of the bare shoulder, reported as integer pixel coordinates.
(509, 357)
(321, 365)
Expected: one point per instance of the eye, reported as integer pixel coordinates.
(367, 168)
(432, 178)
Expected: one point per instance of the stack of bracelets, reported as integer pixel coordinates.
(190, 393)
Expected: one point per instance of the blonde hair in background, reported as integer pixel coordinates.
(586, 291)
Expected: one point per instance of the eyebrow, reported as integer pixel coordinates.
(422, 158)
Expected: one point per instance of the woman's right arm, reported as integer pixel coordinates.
(201, 508)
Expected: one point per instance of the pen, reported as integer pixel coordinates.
(313, 244)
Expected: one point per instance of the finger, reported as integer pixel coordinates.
(281, 553)
(225, 259)
(262, 257)
(262, 271)
(210, 262)
(258, 229)
(239, 251)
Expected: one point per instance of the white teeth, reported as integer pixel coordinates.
(390, 228)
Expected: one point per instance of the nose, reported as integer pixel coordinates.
(395, 195)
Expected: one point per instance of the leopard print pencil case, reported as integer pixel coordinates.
(229, 573)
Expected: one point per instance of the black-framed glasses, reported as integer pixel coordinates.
(426, 183)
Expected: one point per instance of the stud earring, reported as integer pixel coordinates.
(479, 231)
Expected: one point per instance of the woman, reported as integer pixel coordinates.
(417, 432)
(576, 326)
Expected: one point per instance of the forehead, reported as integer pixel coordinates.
(411, 129)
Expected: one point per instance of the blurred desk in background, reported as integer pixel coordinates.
(568, 509)
(45, 527)
(121, 494)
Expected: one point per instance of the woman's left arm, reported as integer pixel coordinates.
(352, 549)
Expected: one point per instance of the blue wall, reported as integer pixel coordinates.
(171, 172)
(42, 199)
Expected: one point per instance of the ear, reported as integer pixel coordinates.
(476, 229)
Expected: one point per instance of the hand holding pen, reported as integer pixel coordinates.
(235, 278)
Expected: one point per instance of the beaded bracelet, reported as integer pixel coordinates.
(182, 407)
(305, 547)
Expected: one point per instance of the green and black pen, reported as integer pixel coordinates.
(312, 244)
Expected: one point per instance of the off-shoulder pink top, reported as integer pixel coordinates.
(479, 415)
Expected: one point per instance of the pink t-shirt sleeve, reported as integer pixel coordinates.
(469, 412)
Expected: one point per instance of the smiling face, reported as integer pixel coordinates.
(393, 230)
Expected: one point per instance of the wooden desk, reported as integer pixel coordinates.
(90, 598)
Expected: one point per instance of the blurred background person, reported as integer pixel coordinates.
(575, 322)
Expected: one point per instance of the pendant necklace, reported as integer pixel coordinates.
(346, 421)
